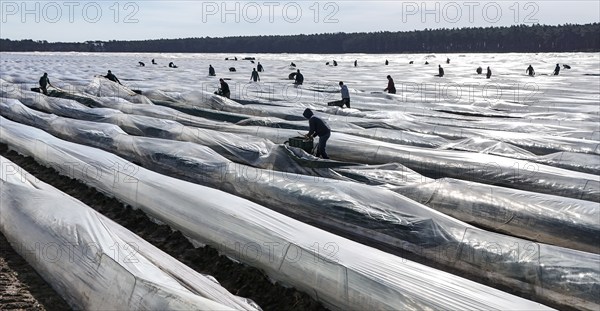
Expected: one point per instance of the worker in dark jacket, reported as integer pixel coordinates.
(391, 88)
(530, 71)
(488, 73)
(211, 70)
(318, 127)
(556, 70)
(299, 78)
(224, 89)
(44, 83)
(112, 77)
(254, 76)
(345, 95)
(440, 71)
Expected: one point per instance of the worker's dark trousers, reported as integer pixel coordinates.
(322, 145)
(346, 101)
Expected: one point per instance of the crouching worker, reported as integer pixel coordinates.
(110, 76)
(318, 127)
(44, 83)
(224, 89)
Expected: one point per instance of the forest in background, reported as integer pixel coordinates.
(518, 38)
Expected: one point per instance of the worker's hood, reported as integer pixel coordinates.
(307, 113)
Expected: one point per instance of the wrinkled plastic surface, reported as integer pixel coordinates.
(91, 261)
(587, 163)
(583, 143)
(485, 168)
(550, 219)
(245, 149)
(580, 217)
(381, 131)
(373, 214)
(454, 199)
(546, 121)
(343, 274)
(502, 145)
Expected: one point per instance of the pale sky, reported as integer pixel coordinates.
(77, 21)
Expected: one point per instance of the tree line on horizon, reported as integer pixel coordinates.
(517, 38)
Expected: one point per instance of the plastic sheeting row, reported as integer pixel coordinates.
(584, 142)
(373, 214)
(343, 274)
(550, 219)
(484, 168)
(92, 262)
(382, 131)
(534, 216)
(240, 148)
(582, 162)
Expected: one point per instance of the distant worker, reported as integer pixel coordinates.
(489, 73)
(440, 71)
(231, 69)
(556, 70)
(153, 62)
(530, 71)
(334, 63)
(386, 62)
(292, 64)
(224, 89)
(411, 62)
(44, 83)
(566, 66)
(447, 60)
(299, 78)
(211, 71)
(318, 127)
(479, 70)
(254, 76)
(391, 88)
(172, 65)
(141, 64)
(345, 95)
(112, 77)
(259, 67)
(355, 63)
(426, 63)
